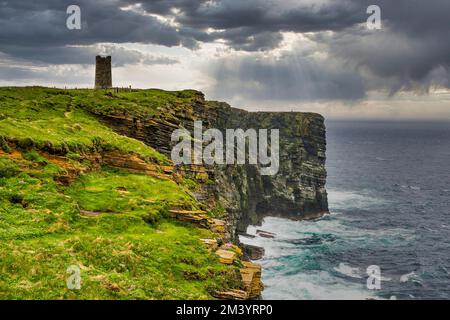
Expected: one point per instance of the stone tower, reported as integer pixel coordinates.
(103, 77)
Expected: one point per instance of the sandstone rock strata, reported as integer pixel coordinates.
(297, 191)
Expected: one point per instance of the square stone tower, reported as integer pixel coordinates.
(103, 75)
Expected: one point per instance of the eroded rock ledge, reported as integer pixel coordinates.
(297, 191)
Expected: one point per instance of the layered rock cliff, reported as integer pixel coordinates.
(298, 189)
(75, 194)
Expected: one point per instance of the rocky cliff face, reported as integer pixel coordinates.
(298, 189)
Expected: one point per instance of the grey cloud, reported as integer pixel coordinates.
(46, 75)
(153, 60)
(246, 25)
(36, 31)
(403, 56)
(412, 51)
(391, 60)
(83, 55)
(290, 78)
(43, 23)
(263, 15)
(241, 22)
(248, 40)
(18, 73)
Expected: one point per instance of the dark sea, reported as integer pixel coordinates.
(389, 197)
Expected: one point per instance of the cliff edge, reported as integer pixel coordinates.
(78, 190)
(297, 191)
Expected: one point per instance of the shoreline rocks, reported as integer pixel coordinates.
(265, 234)
(253, 252)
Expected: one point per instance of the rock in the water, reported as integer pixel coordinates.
(253, 252)
(247, 235)
(265, 234)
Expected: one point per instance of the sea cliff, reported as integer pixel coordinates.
(86, 182)
(297, 191)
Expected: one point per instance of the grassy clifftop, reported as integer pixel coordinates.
(59, 120)
(68, 197)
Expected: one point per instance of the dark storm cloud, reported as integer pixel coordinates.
(413, 46)
(43, 23)
(256, 24)
(411, 52)
(392, 60)
(247, 25)
(263, 15)
(36, 31)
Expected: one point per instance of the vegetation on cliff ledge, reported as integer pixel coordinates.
(110, 222)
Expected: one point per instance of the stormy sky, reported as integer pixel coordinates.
(300, 55)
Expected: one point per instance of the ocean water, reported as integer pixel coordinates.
(389, 197)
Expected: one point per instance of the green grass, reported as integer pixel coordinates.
(45, 118)
(121, 254)
(138, 102)
(167, 262)
(163, 262)
(7, 168)
(116, 191)
(112, 224)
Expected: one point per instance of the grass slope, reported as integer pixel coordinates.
(130, 249)
(57, 119)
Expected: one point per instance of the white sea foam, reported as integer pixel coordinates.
(342, 200)
(287, 230)
(319, 285)
(291, 281)
(412, 276)
(348, 271)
